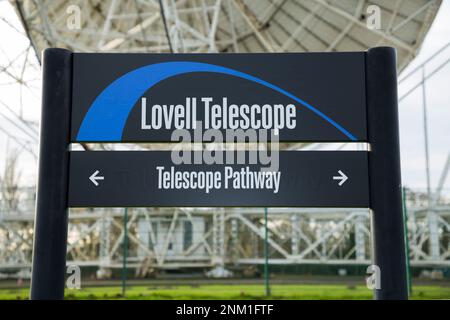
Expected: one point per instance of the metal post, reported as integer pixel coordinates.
(384, 173)
(295, 238)
(105, 239)
(235, 240)
(360, 241)
(266, 254)
(425, 132)
(125, 252)
(51, 216)
(431, 215)
(405, 222)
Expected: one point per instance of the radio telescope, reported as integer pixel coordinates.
(171, 238)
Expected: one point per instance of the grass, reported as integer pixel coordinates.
(230, 292)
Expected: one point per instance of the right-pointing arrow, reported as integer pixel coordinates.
(342, 177)
(94, 178)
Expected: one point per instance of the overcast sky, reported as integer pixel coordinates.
(438, 102)
(411, 114)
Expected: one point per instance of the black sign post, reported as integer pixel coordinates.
(311, 97)
(51, 219)
(384, 174)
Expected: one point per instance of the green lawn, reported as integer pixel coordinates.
(251, 291)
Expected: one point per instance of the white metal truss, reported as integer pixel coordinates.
(226, 25)
(322, 236)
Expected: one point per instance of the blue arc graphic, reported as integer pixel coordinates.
(106, 117)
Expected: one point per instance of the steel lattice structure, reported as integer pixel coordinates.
(178, 238)
(226, 25)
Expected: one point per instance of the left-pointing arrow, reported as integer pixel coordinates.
(94, 178)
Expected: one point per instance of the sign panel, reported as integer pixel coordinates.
(150, 179)
(145, 97)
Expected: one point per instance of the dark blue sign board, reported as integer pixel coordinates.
(323, 96)
(149, 179)
(311, 97)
